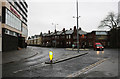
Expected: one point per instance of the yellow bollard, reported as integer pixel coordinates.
(51, 56)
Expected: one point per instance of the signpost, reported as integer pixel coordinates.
(51, 56)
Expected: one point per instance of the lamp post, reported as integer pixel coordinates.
(77, 25)
(55, 25)
(55, 30)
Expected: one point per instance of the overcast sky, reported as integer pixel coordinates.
(42, 13)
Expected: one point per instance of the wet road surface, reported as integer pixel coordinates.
(35, 67)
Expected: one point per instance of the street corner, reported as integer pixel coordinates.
(75, 49)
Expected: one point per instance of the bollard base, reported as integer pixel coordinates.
(49, 62)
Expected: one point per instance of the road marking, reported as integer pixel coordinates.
(17, 71)
(34, 66)
(86, 69)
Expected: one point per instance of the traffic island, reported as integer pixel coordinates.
(68, 58)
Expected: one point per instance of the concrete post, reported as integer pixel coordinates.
(77, 27)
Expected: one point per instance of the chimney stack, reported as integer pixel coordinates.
(74, 28)
(55, 31)
(80, 28)
(48, 31)
(63, 29)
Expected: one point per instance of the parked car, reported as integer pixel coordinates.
(98, 46)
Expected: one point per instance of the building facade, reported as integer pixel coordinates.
(13, 24)
(68, 38)
(98, 36)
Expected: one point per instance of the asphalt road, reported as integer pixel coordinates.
(35, 67)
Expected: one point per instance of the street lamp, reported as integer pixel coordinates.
(55, 25)
(55, 30)
(77, 25)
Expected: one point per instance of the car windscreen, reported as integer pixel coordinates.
(99, 45)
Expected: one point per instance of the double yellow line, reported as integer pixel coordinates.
(76, 74)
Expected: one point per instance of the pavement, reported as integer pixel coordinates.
(77, 49)
(18, 55)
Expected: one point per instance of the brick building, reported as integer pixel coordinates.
(64, 38)
(98, 36)
(67, 38)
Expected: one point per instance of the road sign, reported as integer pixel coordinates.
(50, 55)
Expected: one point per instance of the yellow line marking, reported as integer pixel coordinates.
(86, 68)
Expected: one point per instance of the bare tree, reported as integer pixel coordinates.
(113, 22)
(110, 21)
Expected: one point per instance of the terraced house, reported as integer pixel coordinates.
(64, 38)
(68, 38)
(13, 24)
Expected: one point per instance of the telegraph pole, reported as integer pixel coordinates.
(77, 27)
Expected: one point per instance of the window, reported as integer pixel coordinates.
(66, 42)
(11, 33)
(15, 34)
(101, 33)
(24, 31)
(69, 36)
(12, 20)
(55, 36)
(6, 31)
(69, 42)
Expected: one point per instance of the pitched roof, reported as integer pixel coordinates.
(69, 32)
(59, 32)
(82, 32)
(44, 34)
(51, 33)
